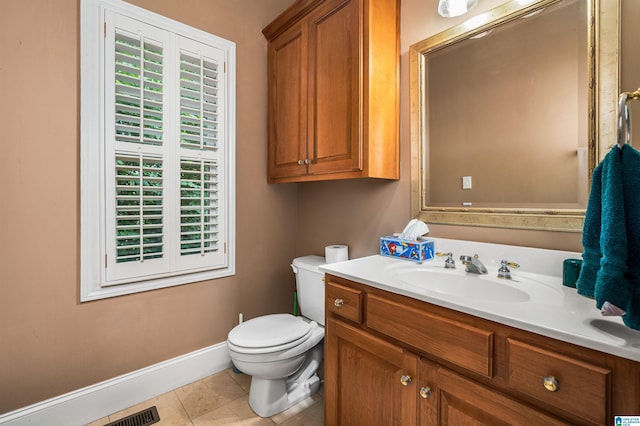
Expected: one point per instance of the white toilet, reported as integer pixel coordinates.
(282, 352)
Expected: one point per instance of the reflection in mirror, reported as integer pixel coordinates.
(503, 125)
(630, 61)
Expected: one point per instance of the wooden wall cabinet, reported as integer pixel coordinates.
(333, 82)
(394, 360)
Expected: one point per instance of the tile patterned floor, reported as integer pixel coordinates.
(221, 399)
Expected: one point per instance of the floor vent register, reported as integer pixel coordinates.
(141, 418)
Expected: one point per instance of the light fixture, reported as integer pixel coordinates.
(452, 8)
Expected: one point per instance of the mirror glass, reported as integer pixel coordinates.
(503, 118)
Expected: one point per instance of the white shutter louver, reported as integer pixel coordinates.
(198, 207)
(138, 89)
(139, 208)
(198, 102)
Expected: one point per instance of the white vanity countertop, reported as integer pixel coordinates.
(557, 311)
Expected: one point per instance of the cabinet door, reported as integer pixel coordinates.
(334, 88)
(451, 399)
(367, 381)
(287, 103)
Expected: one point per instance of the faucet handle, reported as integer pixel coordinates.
(449, 263)
(504, 271)
(510, 264)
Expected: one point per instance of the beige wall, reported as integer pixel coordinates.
(49, 342)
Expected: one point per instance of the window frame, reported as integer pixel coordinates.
(93, 116)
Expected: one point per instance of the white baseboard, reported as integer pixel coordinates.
(94, 402)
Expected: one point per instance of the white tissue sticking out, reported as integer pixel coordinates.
(414, 229)
(611, 310)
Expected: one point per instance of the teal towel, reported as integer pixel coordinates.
(611, 285)
(631, 190)
(611, 235)
(591, 255)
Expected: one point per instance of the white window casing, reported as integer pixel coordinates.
(157, 152)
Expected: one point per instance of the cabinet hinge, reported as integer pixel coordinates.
(225, 248)
(104, 33)
(105, 261)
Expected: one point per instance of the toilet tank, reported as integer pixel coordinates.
(310, 287)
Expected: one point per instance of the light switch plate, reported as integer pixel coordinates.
(466, 182)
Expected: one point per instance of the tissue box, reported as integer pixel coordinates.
(417, 251)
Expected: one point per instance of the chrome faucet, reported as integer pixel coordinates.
(473, 265)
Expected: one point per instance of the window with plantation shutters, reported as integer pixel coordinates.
(158, 186)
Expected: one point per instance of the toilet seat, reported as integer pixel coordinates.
(269, 333)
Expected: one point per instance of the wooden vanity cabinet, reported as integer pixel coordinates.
(367, 373)
(395, 360)
(333, 102)
(456, 400)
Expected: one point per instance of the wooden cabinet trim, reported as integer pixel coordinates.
(291, 15)
(287, 81)
(453, 341)
(455, 399)
(366, 375)
(583, 388)
(350, 305)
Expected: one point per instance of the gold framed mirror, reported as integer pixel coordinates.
(552, 58)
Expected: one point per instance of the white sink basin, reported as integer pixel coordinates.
(439, 282)
(470, 286)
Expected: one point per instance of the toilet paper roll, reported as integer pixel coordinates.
(336, 253)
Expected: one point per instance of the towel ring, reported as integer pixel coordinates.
(624, 117)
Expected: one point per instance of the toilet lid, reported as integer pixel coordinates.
(269, 331)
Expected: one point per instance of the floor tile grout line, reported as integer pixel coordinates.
(183, 406)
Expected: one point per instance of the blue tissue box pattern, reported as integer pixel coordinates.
(417, 251)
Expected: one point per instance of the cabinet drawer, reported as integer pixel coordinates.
(344, 301)
(582, 389)
(453, 341)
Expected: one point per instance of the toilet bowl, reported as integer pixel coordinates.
(283, 352)
(284, 373)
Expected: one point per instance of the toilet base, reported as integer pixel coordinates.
(271, 396)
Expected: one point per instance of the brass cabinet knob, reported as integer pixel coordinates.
(405, 380)
(425, 392)
(551, 384)
(338, 303)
